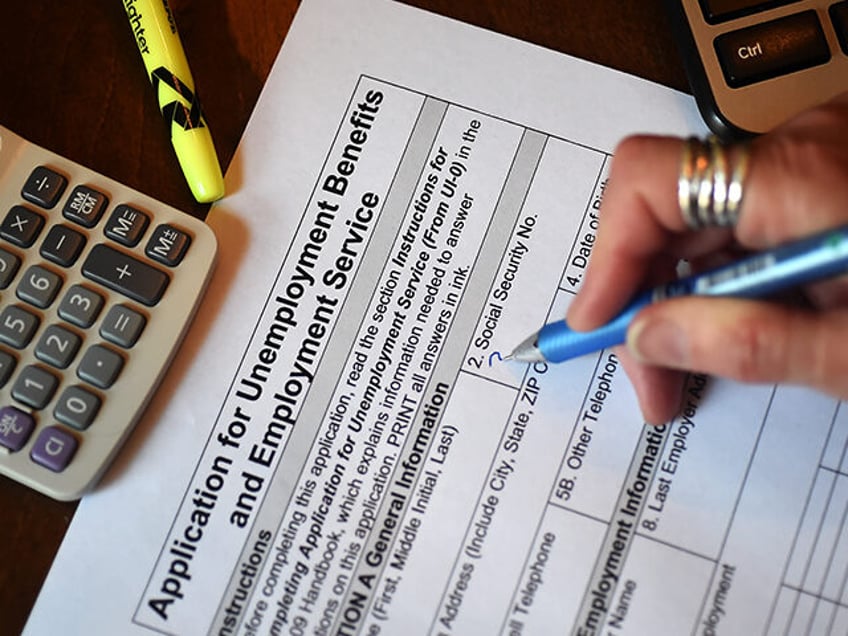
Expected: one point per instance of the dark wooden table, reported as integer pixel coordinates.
(72, 80)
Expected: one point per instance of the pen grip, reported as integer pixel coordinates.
(558, 342)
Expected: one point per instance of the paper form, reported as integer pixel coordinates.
(340, 448)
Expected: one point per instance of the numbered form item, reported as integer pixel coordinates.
(97, 286)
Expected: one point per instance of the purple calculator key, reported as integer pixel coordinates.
(54, 448)
(15, 427)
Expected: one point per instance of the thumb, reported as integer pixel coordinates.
(745, 340)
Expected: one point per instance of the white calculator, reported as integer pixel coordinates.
(98, 284)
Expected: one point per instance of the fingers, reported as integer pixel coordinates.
(744, 340)
(829, 294)
(658, 389)
(796, 185)
(638, 215)
(796, 181)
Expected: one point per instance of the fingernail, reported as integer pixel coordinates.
(659, 342)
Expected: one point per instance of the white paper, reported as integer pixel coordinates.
(339, 448)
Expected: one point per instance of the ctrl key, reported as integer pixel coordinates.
(54, 448)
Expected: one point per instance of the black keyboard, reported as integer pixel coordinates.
(753, 64)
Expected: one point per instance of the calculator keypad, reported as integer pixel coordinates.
(97, 283)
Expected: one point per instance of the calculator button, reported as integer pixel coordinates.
(100, 366)
(85, 206)
(35, 386)
(771, 49)
(21, 226)
(124, 274)
(721, 10)
(44, 187)
(168, 245)
(54, 448)
(7, 365)
(77, 407)
(9, 264)
(122, 326)
(839, 17)
(81, 306)
(57, 346)
(126, 225)
(15, 427)
(17, 326)
(39, 286)
(62, 245)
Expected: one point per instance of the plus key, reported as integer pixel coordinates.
(126, 275)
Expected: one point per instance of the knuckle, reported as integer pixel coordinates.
(829, 116)
(805, 155)
(829, 357)
(757, 351)
(631, 148)
(791, 347)
(629, 155)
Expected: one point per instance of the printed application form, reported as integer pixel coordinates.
(345, 452)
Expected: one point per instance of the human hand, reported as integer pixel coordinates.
(797, 184)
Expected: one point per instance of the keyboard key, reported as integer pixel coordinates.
(77, 407)
(839, 17)
(100, 366)
(126, 225)
(39, 286)
(168, 245)
(57, 346)
(62, 245)
(721, 10)
(17, 326)
(8, 362)
(9, 264)
(35, 386)
(21, 226)
(122, 326)
(44, 187)
(15, 428)
(54, 448)
(81, 306)
(773, 48)
(124, 274)
(85, 206)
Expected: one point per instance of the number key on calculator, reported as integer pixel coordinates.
(98, 284)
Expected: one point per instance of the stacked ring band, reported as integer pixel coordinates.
(711, 180)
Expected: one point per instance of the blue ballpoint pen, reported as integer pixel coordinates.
(814, 258)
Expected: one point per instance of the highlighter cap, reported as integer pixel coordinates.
(199, 162)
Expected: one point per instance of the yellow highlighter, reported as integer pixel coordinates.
(156, 34)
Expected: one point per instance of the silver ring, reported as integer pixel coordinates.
(711, 182)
